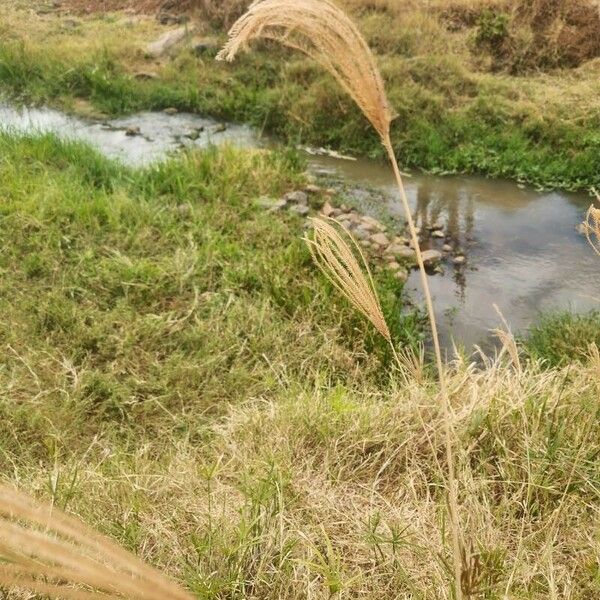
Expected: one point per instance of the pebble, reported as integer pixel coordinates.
(327, 209)
(402, 252)
(361, 233)
(459, 260)
(447, 248)
(297, 197)
(372, 224)
(270, 204)
(380, 239)
(170, 111)
(311, 188)
(431, 257)
(301, 209)
(438, 234)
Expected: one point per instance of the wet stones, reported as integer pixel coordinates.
(431, 257)
(384, 249)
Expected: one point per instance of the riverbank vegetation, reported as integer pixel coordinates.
(178, 374)
(478, 87)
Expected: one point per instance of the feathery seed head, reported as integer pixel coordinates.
(592, 228)
(49, 553)
(351, 276)
(322, 31)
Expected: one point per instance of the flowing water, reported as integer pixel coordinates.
(524, 255)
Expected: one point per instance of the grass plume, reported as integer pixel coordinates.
(592, 228)
(48, 552)
(321, 30)
(353, 279)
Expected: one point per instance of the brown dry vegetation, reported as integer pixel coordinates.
(518, 34)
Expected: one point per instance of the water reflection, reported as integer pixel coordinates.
(522, 250)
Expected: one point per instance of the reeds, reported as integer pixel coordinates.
(592, 228)
(322, 31)
(47, 552)
(349, 275)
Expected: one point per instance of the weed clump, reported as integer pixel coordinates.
(562, 338)
(540, 35)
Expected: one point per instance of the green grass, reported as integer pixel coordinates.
(162, 284)
(177, 373)
(560, 339)
(451, 118)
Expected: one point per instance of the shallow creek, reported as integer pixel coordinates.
(523, 253)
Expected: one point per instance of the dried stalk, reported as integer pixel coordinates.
(48, 552)
(592, 228)
(322, 31)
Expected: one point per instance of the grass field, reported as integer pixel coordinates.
(176, 372)
(454, 114)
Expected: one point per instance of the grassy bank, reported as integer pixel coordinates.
(177, 374)
(453, 115)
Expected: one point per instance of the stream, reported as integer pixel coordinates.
(524, 254)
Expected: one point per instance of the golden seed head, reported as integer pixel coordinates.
(322, 31)
(349, 274)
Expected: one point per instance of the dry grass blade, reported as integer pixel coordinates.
(592, 228)
(47, 552)
(336, 259)
(323, 32)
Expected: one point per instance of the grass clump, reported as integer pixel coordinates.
(563, 338)
(454, 116)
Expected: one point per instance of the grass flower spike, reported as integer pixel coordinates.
(321, 30)
(336, 259)
(592, 228)
(50, 553)
(324, 33)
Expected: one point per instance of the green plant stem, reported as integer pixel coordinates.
(445, 402)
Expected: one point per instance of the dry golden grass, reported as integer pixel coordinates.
(47, 552)
(351, 277)
(323, 32)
